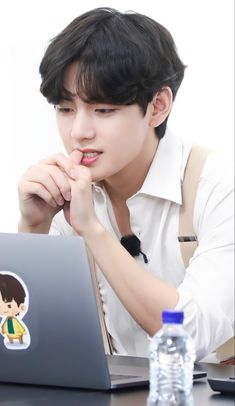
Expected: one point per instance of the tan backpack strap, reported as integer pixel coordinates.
(108, 348)
(187, 237)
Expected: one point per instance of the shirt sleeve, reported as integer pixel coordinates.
(206, 294)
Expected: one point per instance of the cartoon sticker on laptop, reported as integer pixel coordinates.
(14, 302)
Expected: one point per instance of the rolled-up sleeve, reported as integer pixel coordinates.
(207, 292)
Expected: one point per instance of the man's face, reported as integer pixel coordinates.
(10, 309)
(112, 138)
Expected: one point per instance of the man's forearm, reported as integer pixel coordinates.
(142, 293)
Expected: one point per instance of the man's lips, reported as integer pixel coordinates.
(85, 156)
(90, 156)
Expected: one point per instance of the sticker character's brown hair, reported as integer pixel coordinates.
(11, 288)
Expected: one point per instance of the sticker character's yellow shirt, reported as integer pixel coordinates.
(18, 328)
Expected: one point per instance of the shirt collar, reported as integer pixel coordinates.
(166, 171)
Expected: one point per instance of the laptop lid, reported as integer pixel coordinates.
(55, 339)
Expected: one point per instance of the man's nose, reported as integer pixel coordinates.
(83, 126)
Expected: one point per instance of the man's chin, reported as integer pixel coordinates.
(95, 178)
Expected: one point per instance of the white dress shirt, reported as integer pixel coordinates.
(206, 287)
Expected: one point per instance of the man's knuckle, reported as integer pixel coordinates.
(37, 187)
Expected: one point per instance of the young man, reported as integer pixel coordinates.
(112, 78)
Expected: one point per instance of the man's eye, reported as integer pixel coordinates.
(63, 109)
(9, 306)
(105, 111)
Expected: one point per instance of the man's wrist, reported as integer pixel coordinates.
(95, 230)
(23, 227)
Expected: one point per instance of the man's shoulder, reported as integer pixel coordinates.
(216, 185)
(219, 168)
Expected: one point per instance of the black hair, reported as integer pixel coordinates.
(123, 58)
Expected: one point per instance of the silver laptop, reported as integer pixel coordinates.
(49, 326)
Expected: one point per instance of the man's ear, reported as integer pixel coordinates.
(161, 106)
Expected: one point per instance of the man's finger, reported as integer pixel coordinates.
(80, 172)
(76, 156)
(59, 160)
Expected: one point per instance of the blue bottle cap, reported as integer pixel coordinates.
(172, 316)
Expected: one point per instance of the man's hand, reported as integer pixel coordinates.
(43, 191)
(54, 184)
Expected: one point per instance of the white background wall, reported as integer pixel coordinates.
(204, 109)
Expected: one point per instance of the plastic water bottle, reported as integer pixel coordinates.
(172, 357)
